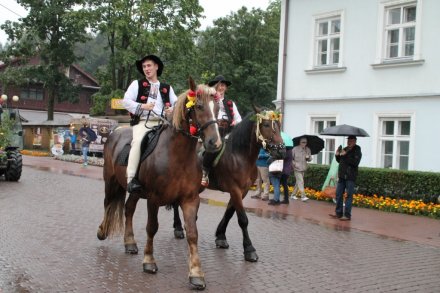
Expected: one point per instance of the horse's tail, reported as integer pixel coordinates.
(113, 222)
(114, 202)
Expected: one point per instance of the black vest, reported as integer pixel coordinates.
(144, 90)
(229, 110)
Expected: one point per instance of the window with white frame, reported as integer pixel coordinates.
(399, 35)
(328, 153)
(328, 41)
(400, 30)
(394, 142)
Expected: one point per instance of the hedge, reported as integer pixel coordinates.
(396, 184)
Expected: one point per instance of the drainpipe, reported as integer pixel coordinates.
(284, 26)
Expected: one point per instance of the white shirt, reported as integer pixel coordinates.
(129, 101)
(222, 112)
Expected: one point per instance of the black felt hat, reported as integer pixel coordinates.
(153, 58)
(219, 78)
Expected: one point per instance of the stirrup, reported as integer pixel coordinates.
(205, 178)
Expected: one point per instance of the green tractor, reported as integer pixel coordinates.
(11, 142)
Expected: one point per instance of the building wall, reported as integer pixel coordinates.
(362, 93)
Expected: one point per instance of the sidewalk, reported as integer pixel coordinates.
(391, 225)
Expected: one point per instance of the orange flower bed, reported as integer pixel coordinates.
(35, 153)
(411, 207)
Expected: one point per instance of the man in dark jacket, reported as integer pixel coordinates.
(348, 159)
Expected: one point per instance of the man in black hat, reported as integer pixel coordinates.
(228, 116)
(147, 100)
(348, 159)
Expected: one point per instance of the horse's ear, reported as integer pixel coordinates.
(192, 84)
(256, 109)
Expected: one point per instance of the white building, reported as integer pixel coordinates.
(373, 64)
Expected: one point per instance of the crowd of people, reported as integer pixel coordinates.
(148, 100)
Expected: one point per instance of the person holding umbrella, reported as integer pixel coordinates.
(301, 154)
(348, 159)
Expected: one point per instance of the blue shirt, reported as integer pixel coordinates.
(263, 156)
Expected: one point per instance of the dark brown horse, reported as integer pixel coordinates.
(161, 174)
(236, 171)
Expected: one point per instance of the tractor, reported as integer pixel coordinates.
(11, 142)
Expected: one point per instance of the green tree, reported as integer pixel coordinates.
(50, 31)
(93, 54)
(244, 48)
(134, 28)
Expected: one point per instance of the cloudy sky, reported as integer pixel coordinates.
(10, 10)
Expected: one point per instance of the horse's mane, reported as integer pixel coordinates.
(240, 137)
(180, 109)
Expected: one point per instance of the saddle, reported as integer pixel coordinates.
(148, 144)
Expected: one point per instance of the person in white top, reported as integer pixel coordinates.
(147, 100)
(228, 117)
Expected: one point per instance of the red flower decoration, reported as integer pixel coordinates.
(193, 130)
(145, 84)
(191, 93)
(229, 103)
(164, 90)
(143, 98)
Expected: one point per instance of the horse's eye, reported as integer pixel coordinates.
(267, 124)
(199, 107)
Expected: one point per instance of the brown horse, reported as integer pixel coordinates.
(236, 171)
(161, 174)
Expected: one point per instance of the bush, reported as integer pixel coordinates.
(396, 184)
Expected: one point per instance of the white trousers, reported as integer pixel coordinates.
(139, 132)
(299, 183)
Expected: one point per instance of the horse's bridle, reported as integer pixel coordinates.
(274, 118)
(200, 128)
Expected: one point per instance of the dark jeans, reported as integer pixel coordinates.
(344, 185)
(283, 181)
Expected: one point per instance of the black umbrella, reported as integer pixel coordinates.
(344, 130)
(315, 143)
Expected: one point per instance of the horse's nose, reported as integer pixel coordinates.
(214, 143)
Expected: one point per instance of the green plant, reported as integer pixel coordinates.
(395, 184)
(6, 127)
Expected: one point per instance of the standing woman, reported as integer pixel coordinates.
(301, 155)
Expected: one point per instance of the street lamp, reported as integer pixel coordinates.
(4, 98)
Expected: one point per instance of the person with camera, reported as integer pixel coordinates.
(348, 159)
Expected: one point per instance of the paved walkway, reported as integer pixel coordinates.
(396, 226)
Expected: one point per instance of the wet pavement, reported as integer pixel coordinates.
(48, 223)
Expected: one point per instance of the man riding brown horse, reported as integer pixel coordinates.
(146, 109)
(228, 116)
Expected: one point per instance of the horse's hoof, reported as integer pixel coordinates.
(150, 268)
(131, 248)
(100, 234)
(179, 234)
(197, 283)
(221, 243)
(251, 256)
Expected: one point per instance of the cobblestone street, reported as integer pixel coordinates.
(48, 243)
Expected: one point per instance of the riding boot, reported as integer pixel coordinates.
(134, 186)
(205, 177)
